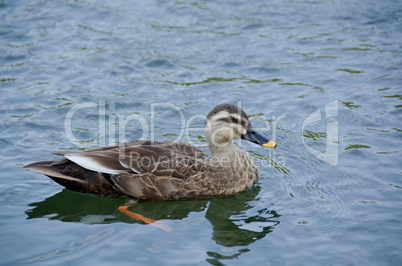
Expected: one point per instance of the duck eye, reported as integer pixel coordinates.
(234, 120)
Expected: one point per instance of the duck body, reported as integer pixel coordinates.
(161, 171)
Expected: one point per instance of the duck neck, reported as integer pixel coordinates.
(222, 150)
(219, 144)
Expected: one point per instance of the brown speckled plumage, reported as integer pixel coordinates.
(160, 171)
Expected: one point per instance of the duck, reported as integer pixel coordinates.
(145, 170)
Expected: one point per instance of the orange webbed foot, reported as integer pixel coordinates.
(136, 216)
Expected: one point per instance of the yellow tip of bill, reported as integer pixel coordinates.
(270, 144)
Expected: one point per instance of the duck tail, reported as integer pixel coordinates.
(76, 178)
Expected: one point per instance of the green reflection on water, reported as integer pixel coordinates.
(351, 105)
(314, 135)
(351, 71)
(227, 215)
(357, 146)
(393, 96)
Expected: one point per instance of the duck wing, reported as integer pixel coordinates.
(140, 157)
(141, 169)
(163, 171)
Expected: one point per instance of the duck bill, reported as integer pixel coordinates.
(255, 137)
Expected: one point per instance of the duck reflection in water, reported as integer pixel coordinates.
(227, 215)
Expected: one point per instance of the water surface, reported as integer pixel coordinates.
(323, 78)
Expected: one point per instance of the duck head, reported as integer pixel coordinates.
(227, 122)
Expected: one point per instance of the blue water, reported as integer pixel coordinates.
(323, 78)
